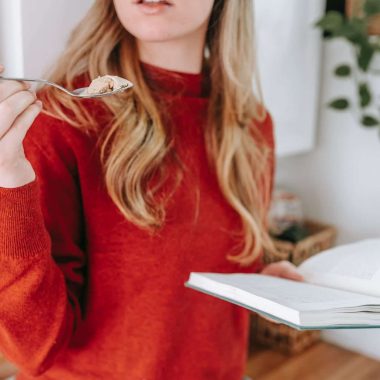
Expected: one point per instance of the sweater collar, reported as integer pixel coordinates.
(174, 82)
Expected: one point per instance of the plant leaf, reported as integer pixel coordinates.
(331, 22)
(371, 7)
(365, 95)
(339, 104)
(343, 71)
(355, 30)
(365, 55)
(370, 121)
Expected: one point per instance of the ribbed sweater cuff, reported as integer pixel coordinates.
(22, 229)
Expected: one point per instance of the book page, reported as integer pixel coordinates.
(354, 267)
(277, 296)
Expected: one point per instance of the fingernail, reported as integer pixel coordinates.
(39, 103)
(27, 85)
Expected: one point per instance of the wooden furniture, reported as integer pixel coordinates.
(281, 337)
(353, 7)
(322, 361)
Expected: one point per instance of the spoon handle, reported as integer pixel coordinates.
(24, 79)
(44, 81)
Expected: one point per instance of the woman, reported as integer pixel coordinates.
(114, 202)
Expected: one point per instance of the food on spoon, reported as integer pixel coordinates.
(107, 83)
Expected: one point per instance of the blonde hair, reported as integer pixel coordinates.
(137, 143)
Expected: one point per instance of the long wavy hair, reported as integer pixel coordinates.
(137, 143)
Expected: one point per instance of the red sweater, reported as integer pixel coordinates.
(85, 294)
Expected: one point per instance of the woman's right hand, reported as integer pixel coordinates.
(18, 109)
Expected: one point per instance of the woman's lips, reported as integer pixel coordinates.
(152, 7)
(153, 2)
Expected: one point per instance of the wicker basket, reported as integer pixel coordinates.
(322, 236)
(281, 337)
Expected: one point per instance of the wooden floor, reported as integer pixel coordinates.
(322, 361)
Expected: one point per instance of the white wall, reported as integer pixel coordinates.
(46, 27)
(34, 32)
(339, 182)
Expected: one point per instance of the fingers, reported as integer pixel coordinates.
(290, 271)
(292, 274)
(24, 122)
(12, 107)
(283, 269)
(18, 109)
(8, 88)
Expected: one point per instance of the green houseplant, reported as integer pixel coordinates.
(366, 48)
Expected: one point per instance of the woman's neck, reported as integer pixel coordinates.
(183, 55)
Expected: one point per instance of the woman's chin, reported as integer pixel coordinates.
(155, 35)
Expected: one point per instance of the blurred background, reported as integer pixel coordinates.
(322, 87)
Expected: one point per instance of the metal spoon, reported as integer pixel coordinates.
(78, 93)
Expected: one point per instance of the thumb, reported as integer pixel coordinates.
(283, 269)
(292, 274)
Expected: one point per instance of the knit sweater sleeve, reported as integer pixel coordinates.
(42, 257)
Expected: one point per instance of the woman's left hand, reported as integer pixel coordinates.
(283, 269)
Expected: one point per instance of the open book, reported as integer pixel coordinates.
(341, 290)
